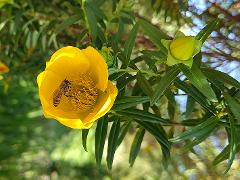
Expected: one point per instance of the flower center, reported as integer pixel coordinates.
(82, 93)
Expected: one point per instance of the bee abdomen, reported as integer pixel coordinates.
(56, 98)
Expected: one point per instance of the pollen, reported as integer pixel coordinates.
(83, 93)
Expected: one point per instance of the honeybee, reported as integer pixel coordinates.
(63, 89)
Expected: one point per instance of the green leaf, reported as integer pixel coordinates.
(68, 22)
(35, 36)
(84, 138)
(116, 75)
(129, 101)
(136, 145)
(124, 80)
(112, 142)
(129, 44)
(193, 92)
(144, 84)
(154, 34)
(100, 136)
(123, 131)
(91, 21)
(234, 106)
(198, 79)
(213, 74)
(198, 131)
(224, 154)
(158, 55)
(232, 143)
(191, 122)
(164, 83)
(142, 116)
(171, 104)
(97, 11)
(160, 136)
(207, 30)
(199, 139)
(190, 106)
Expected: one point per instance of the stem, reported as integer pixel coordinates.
(129, 70)
(85, 14)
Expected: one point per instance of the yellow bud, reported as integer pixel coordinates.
(183, 48)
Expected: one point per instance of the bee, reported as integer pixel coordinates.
(63, 89)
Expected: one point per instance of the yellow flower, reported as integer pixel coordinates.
(74, 88)
(3, 68)
(182, 49)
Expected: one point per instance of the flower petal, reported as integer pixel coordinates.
(182, 48)
(106, 102)
(67, 61)
(98, 67)
(48, 83)
(72, 123)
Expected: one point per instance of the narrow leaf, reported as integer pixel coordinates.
(190, 106)
(200, 138)
(234, 106)
(136, 145)
(144, 84)
(154, 34)
(97, 11)
(84, 138)
(123, 131)
(100, 136)
(232, 143)
(66, 23)
(193, 92)
(224, 154)
(164, 83)
(91, 21)
(128, 46)
(129, 101)
(112, 142)
(213, 74)
(142, 116)
(160, 136)
(198, 79)
(191, 122)
(116, 75)
(207, 30)
(197, 131)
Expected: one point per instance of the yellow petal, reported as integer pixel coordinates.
(72, 123)
(68, 61)
(3, 68)
(98, 67)
(48, 83)
(106, 102)
(182, 48)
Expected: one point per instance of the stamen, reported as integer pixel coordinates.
(83, 93)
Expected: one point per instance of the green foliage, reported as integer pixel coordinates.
(164, 83)
(147, 105)
(100, 136)
(136, 146)
(112, 142)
